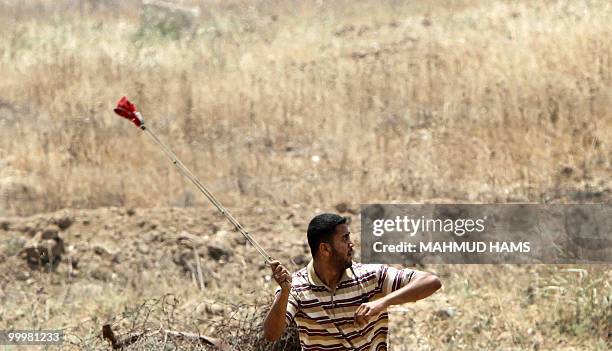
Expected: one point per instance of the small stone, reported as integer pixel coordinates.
(221, 234)
(445, 313)
(342, 207)
(28, 229)
(214, 309)
(63, 222)
(567, 171)
(100, 274)
(74, 261)
(5, 225)
(143, 248)
(118, 257)
(51, 232)
(102, 251)
(240, 240)
(157, 236)
(217, 251)
(22, 275)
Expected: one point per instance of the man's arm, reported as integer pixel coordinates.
(420, 286)
(274, 324)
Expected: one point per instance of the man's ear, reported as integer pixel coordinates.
(325, 249)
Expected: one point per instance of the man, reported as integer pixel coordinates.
(338, 304)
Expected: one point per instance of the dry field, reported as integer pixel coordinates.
(479, 101)
(285, 109)
(136, 269)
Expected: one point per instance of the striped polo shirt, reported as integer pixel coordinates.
(325, 318)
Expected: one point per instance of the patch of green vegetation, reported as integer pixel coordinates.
(13, 245)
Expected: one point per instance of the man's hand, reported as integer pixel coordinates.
(369, 310)
(275, 324)
(281, 274)
(422, 285)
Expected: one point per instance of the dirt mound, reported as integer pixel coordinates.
(87, 257)
(113, 244)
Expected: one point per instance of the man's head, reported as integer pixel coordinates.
(329, 239)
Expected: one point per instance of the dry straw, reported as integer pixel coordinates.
(476, 101)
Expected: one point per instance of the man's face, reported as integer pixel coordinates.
(342, 247)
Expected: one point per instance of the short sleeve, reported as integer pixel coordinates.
(392, 279)
(292, 306)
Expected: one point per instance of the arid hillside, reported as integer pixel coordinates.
(284, 110)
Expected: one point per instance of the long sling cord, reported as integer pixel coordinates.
(361, 289)
(346, 338)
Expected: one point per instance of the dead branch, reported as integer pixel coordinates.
(108, 334)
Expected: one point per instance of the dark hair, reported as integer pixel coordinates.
(321, 228)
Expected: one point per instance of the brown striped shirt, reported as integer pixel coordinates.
(325, 318)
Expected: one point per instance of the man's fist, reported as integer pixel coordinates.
(281, 274)
(366, 311)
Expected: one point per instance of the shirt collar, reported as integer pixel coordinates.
(314, 279)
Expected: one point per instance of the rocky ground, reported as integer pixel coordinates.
(61, 268)
(80, 269)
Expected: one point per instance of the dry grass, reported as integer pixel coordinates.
(483, 307)
(511, 307)
(474, 101)
(314, 103)
(241, 329)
